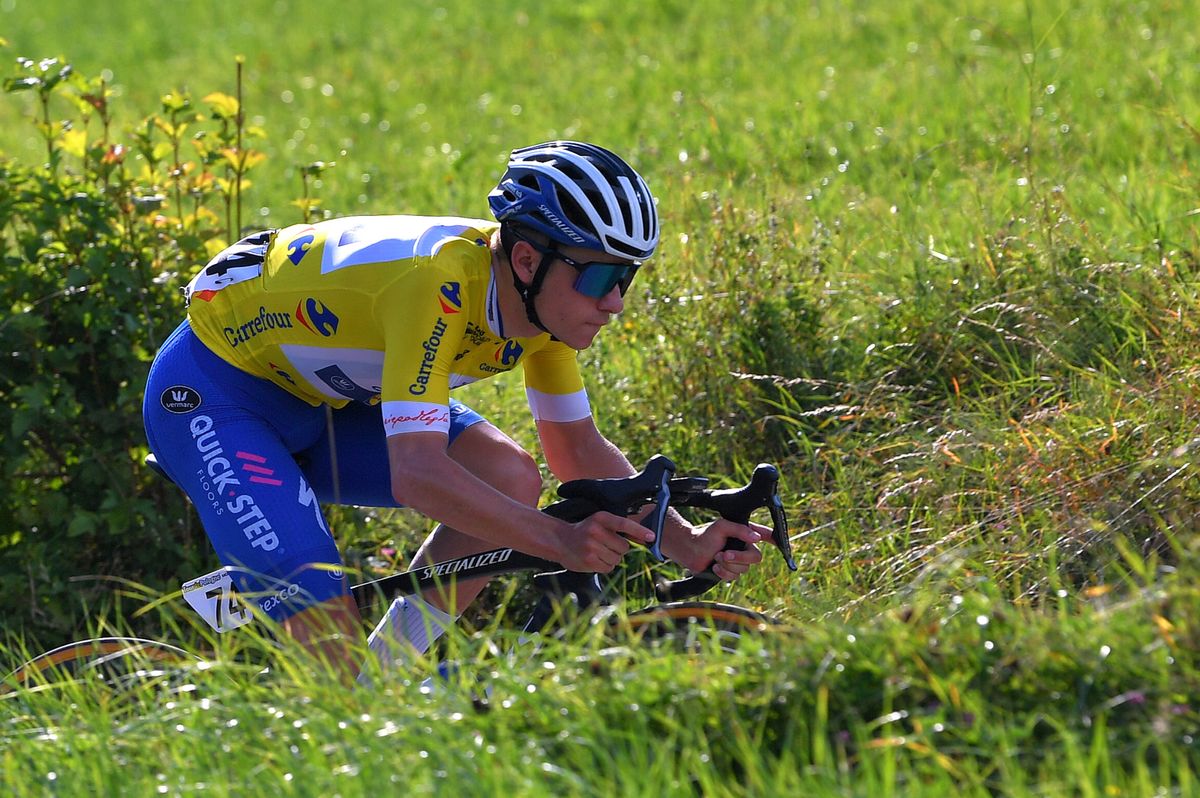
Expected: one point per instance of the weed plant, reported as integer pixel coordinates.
(939, 266)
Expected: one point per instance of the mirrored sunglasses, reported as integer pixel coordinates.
(595, 278)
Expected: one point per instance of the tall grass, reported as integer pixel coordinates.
(938, 263)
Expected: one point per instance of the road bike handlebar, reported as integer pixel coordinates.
(654, 484)
(621, 496)
(737, 505)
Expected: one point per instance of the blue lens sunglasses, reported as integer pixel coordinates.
(595, 278)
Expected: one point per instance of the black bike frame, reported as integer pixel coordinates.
(496, 562)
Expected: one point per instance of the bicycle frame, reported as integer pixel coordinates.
(654, 484)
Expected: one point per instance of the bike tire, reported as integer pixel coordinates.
(117, 660)
(692, 624)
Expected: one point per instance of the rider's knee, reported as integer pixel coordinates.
(517, 475)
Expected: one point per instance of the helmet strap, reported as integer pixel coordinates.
(529, 292)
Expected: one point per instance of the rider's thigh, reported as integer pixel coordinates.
(348, 463)
(498, 460)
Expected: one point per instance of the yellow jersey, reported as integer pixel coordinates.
(396, 310)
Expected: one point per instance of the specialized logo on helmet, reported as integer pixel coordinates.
(560, 224)
(299, 247)
(316, 317)
(180, 399)
(450, 299)
(509, 353)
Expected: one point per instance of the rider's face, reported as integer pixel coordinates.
(573, 317)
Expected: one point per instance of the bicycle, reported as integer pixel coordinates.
(213, 597)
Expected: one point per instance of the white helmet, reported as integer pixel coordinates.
(579, 195)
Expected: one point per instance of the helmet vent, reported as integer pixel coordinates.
(572, 210)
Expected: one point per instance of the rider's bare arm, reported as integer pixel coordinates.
(577, 450)
(427, 479)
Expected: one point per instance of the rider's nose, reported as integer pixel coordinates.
(612, 302)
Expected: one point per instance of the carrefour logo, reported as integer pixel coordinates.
(509, 353)
(450, 298)
(316, 317)
(299, 247)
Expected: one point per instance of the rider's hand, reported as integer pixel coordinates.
(598, 542)
(704, 545)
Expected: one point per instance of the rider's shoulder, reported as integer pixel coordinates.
(424, 232)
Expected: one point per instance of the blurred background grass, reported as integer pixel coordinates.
(937, 261)
(929, 261)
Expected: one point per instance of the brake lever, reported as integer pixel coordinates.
(780, 534)
(736, 505)
(622, 496)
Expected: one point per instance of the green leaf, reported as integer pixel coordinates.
(13, 85)
(58, 77)
(23, 419)
(177, 102)
(82, 524)
(223, 106)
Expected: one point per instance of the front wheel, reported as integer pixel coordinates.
(117, 661)
(692, 625)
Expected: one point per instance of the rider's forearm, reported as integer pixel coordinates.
(577, 450)
(440, 488)
(677, 536)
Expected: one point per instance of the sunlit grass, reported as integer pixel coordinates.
(938, 264)
(960, 693)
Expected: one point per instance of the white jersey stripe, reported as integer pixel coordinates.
(400, 417)
(558, 407)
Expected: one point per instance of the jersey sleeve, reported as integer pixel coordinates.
(423, 320)
(554, 386)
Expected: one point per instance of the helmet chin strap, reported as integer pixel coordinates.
(529, 292)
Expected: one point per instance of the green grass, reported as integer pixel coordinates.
(939, 264)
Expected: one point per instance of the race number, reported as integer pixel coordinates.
(213, 596)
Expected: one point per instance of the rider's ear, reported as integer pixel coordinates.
(525, 261)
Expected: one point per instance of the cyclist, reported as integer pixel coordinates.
(315, 365)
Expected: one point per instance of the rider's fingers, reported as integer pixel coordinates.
(612, 557)
(749, 556)
(617, 545)
(607, 538)
(752, 533)
(625, 526)
(600, 556)
(726, 572)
